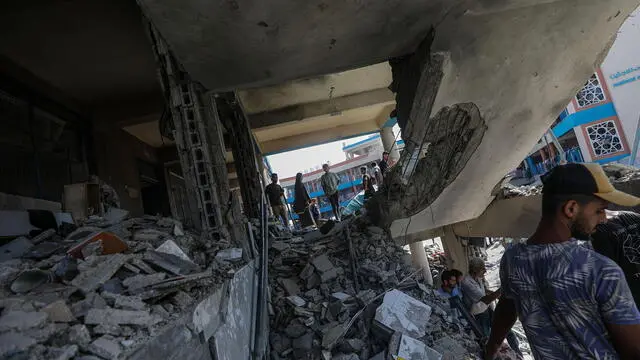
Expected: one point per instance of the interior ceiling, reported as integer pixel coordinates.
(314, 89)
(149, 132)
(94, 51)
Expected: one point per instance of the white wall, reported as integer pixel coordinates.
(623, 57)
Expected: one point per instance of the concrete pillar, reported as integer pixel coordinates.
(389, 143)
(420, 260)
(456, 253)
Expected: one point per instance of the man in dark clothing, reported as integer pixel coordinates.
(384, 163)
(619, 240)
(275, 194)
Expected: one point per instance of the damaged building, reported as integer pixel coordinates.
(134, 135)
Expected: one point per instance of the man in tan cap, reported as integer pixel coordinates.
(573, 302)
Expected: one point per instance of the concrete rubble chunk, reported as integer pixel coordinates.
(141, 281)
(107, 329)
(91, 301)
(171, 263)
(230, 255)
(105, 348)
(412, 349)
(91, 279)
(12, 343)
(350, 356)
(170, 247)
(15, 249)
(329, 275)
(182, 299)
(78, 334)
(111, 316)
(290, 285)
(59, 312)
(322, 263)
(129, 303)
(307, 271)
(379, 356)
(280, 246)
(22, 321)
(332, 335)
(295, 330)
(304, 342)
(296, 301)
(45, 235)
(403, 313)
(143, 266)
(66, 353)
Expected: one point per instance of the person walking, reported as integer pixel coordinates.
(330, 182)
(301, 202)
(573, 302)
(277, 200)
(376, 174)
(619, 240)
(477, 299)
(384, 163)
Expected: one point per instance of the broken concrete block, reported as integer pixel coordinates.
(403, 313)
(22, 321)
(290, 285)
(280, 246)
(170, 263)
(329, 275)
(143, 266)
(141, 281)
(341, 296)
(129, 303)
(350, 356)
(313, 281)
(177, 230)
(127, 343)
(59, 312)
(92, 248)
(110, 243)
(230, 255)
(105, 347)
(379, 356)
(78, 334)
(307, 271)
(46, 332)
(119, 317)
(296, 301)
(295, 330)
(170, 247)
(91, 301)
(15, 248)
(353, 345)
(91, 279)
(113, 286)
(332, 335)
(412, 349)
(160, 311)
(12, 343)
(322, 263)
(105, 329)
(66, 353)
(449, 348)
(182, 299)
(43, 236)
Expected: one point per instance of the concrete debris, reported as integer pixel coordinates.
(59, 312)
(231, 255)
(135, 277)
(350, 304)
(12, 343)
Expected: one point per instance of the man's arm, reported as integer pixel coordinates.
(492, 296)
(504, 318)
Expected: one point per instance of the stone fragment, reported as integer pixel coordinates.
(59, 312)
(113, 286)
(296, 301)
(131, 268)
(91, 279)
(45, 235)
(129, 303)
(304, 342)
(160, 311)
(66, 353)
(329, 275)
(127, 343)
(182, 299)
(110, 316)
(278, 342)
(12, 343)
(143, 266)
(22, 321)
(7, 275)
(46, 332)
(230, 255)
(78, 334)
(107, 329)
(307, 271)
(412, 349)
(341, 296)
(295, 330)
(350, 356)
(449, 348)
(332, 335)
(141, 281)
(91, 301)
(403, 313)
(290, 285)
(170, 247)
(353, 345)
(171, 263)
(379, 356)
(280, 246)
(105, 348)
(322, 263)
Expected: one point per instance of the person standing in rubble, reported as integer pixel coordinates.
(477, 299)
(277, 200)
(376, 174)
(301, 202)
(573, 302)
(385, 163)
(619, 240)
(330, 182)
(367, 184)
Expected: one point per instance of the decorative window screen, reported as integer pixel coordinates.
(604, 138)
(591, 93)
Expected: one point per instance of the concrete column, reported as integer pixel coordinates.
(456, 253)
(420, 260)
(388, 141)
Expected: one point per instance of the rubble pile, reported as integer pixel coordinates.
(352, 294)
(103, 288)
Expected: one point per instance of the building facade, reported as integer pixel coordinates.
(602, 122)
(361, 153)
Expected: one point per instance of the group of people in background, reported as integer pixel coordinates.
(575, 284)
(306, 208)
